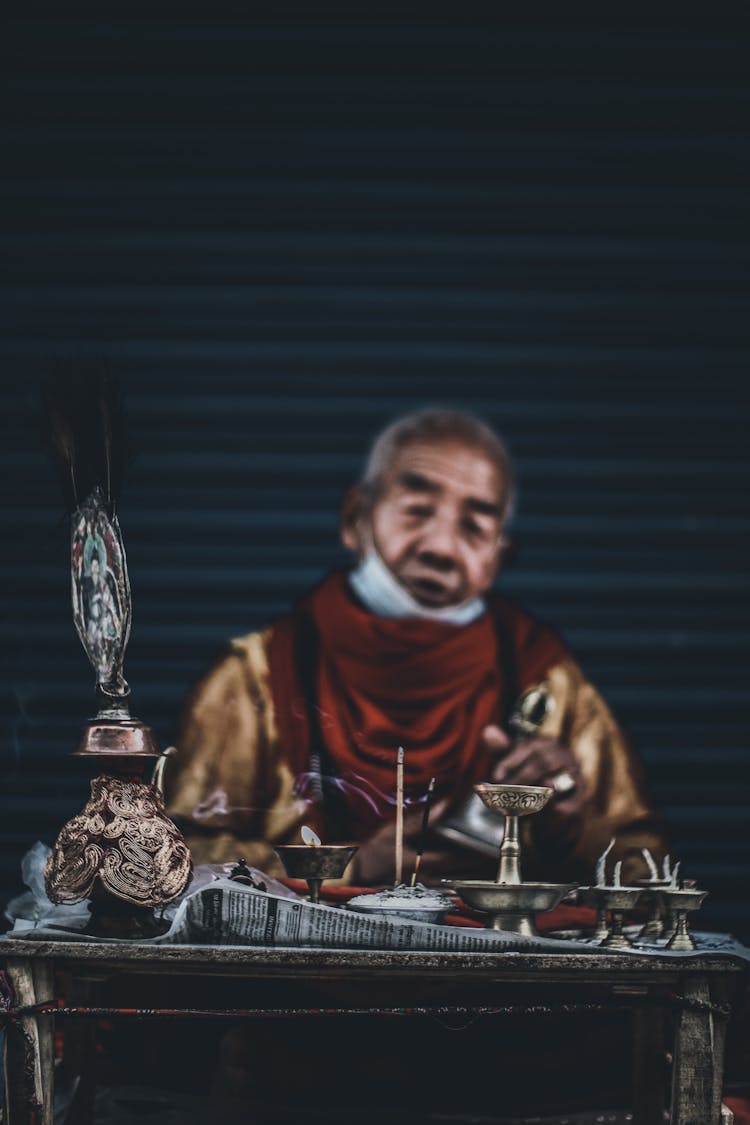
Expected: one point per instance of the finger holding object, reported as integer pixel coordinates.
(494, 738)
(530, 761)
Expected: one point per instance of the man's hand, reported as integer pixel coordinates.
(541, 761)
(535, 761)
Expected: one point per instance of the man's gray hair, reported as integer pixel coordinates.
(435, 424)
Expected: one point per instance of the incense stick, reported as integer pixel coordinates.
(423, 830)
(399, 816)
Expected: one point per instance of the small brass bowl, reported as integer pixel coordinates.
(315, 862)
(510, 907)
(514, 800)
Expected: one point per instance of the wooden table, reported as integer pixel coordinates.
(701, 983)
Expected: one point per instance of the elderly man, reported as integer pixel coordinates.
(301, 723)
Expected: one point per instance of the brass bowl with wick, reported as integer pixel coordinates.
(315, 862)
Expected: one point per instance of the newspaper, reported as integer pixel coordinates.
(228, 913)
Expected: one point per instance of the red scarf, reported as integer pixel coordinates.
(355, 687)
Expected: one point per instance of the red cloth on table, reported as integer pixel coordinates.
(740, 1107)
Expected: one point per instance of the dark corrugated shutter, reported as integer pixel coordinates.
(281, 235)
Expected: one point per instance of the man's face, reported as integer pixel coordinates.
(436, 522)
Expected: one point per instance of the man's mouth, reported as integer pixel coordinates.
(431, 592)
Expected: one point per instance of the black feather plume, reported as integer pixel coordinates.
(63, 447)
(84, 425)
(114, 439)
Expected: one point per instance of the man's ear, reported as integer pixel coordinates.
(352, 515)
(507, 554)
(506, 551)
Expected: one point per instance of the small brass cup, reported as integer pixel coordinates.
(315, 862)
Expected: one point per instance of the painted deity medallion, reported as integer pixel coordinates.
(100, 591)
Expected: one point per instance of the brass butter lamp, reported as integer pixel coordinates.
(314, 861)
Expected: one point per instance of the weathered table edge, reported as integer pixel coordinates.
(316, 957)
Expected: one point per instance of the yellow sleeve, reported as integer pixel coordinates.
(618, 800)
(228, 787)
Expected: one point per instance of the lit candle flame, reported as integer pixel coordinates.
(309, 837)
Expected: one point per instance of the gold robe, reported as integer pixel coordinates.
(233, 793)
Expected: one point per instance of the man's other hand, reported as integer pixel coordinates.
(541, 761)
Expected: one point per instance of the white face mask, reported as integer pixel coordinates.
(382, 593)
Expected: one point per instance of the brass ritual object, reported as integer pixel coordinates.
(121, 851)
(666, 899)
(475, 824)
(509, 902)
(315, 862)
(587, 896)
(416, 904)
(682, 902)
(512, 907)
(615, 901)
(512, 801)
(652, 900)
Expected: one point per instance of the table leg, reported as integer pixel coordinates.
(696, 1077)
(79, 1053)
(649, 1065)
(30, 1046)
(721, 992)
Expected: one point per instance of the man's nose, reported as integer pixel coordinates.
(440, 544)
(442, 563)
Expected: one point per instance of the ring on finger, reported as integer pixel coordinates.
(563, 783)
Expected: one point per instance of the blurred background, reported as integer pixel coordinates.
(280, 233)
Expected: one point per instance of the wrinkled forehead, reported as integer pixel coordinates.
(447, 467)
